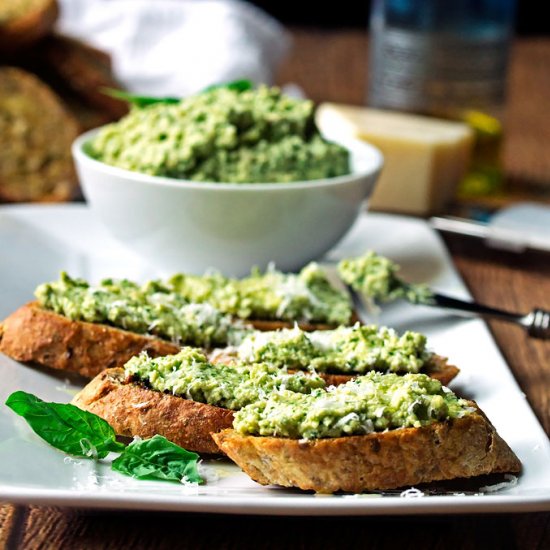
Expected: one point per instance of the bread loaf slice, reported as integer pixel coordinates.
(134, 410)
(23, 22)
(36, 133)
(461, 448)
(85, 71)
(35, 335)
(437, 367)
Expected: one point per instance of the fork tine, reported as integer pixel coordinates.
(363, 310)
(540, 324)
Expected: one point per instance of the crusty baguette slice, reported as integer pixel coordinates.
(266, 325)
(461, 448)
(437, 368)
(132, 409)
(23, 24)
(35, 335)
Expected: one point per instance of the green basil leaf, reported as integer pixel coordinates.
(237, 85)
(158, 458)
(66, 427)
(138, 100)
(144, 101)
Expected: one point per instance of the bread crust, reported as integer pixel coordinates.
(86, 72)
(461, 448)
(133, 410)
(29, 27)
(437, 367)
(266, 325)
(35, 335)
(36, 132)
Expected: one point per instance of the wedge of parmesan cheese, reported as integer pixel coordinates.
(425, 158)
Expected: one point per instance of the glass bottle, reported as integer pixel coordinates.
(446, 58)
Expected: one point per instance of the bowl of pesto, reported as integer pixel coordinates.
(225, 179)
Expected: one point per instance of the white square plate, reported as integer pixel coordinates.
(36, 242)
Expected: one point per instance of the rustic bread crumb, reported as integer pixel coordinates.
(36, 133)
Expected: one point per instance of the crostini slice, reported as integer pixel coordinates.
(377, 432)
(114, 320)
(182, 396)
(340, 354)
(461, 448)
(33, 334)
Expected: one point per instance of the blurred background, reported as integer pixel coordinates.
(57, 58)
(530, 19)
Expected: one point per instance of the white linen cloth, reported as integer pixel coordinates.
(178, 47)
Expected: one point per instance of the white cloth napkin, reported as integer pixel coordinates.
(178, 47)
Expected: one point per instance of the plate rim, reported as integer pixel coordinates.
(296, 505)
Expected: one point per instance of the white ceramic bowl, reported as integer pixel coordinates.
(181, 225)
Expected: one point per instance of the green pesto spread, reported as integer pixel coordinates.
(147, 309)
(305, 296)
(375, 277)
(190, 375)
(223, 135)
(374, 402)
(186, 306)
(349, 350)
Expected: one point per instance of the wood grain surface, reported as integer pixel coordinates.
(332, 66)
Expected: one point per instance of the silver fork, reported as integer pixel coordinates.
(536, 322)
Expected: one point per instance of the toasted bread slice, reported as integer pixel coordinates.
(36, 132)
(23, 22)
(132, 409)
(266, 325)
(85, 71)
(460, 448)
(437, 368)
(35, 335)
(79, 74)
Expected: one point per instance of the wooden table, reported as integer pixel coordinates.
(332, 66)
